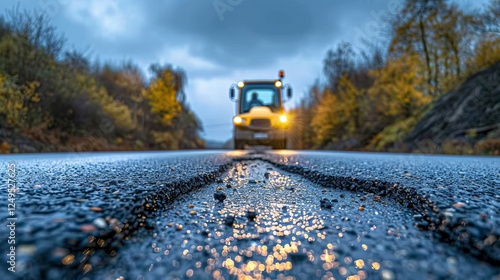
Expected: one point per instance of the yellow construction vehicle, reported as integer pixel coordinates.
(260, 117)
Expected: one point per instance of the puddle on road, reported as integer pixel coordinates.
(271, 226)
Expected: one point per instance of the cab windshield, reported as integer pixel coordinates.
(259, 95)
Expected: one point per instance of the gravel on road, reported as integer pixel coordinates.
(457, 197)
(70, 207)
(272, 226)
(272, 215)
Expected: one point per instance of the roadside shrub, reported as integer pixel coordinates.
(457, 147)
(18, 104)
(488, 147)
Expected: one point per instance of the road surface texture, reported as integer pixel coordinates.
(270, 215)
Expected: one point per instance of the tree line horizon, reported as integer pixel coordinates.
(371, 99)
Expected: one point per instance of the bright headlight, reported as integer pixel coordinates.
(283, 119)
(241, 84)
(237, 120)
(278, 84)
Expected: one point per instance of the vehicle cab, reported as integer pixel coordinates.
(260, 116)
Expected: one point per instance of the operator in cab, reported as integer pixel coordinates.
(255, 101)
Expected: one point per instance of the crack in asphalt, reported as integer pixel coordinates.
(139, 218)
(430, 215)
(60, 234)
(278, 225)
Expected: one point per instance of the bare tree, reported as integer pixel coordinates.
(337, 63)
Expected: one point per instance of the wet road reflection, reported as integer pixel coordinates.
(274, 225)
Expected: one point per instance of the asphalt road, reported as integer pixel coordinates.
(271, 215)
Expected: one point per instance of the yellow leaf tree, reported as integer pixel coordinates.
(486, 54)
(325, 122)
(17, 103)
(162, 97)
(395, 94)
(338, 116)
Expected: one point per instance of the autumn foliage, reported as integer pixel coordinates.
(55, 99)
(374, 96)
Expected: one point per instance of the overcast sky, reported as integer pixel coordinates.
(219, 42)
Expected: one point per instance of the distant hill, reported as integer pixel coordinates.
(466, 118)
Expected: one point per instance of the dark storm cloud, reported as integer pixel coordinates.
(257, 32)
(228, 33)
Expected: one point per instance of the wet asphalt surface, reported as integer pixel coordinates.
(457, 197)
(284, 215)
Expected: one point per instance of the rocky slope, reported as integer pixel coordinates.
(467, 114)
